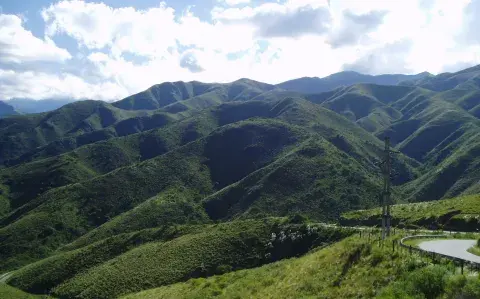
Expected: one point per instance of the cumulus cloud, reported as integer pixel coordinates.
(471, 22)
(354, 27)
(234, 2)
(20, 46)
(95, 25)
(387, 59)
(189, 61)
(280, 20)
(37, 85)
(124, 50)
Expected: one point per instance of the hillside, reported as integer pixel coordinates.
(445, 81)
(19, 134)
(460, 214)
(313, 85)
(6, 109)
(203, 167)
(171, 93)
(436, 129)
(189, 179)
(95, 271)
(351, 268)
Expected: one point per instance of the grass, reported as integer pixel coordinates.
(9, 292)
(29, 180)
(474, 250)
(459, 213)
(68, 212)
(99, 190)
(276, 166)
(351, 268)
(26, 132)
(94, 272)
(42, 276)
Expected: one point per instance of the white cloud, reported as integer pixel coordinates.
(291, 19)
(19, 46)
(234, 2)
(96, 25)
(355, 28)
(37, 85)
(125, 50)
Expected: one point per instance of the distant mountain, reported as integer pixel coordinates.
(85, 185)
(176, 95)
(446, 81)
(37, 106)
(312, 85)
(6, 109)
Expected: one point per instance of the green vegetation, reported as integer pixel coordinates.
(109, 268)
(450, 214)
(475, 249)
(9, 292)
(19, 134)
(352, 268)
(192, 94)
(180, 182)
(258, 154)
(42, 276)
(433, 282)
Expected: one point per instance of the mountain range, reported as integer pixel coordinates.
(188, 90)
(102, 186)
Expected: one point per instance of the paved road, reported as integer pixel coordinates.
(455, 248)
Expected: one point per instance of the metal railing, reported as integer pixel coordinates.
(474, 266)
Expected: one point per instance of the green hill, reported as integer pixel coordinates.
(445, 81)
(172, 93)
(19, 134)
(301, 134)
(112, 267)
(459, 214)
(309, 85)
(185, 180)
(351, 268)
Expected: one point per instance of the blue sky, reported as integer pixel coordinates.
(109, 49)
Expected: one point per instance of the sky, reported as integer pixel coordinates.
(108, 50)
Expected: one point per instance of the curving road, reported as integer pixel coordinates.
(455, 248)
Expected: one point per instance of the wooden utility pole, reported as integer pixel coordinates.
(386, 168)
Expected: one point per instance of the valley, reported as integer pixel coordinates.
(197, 190)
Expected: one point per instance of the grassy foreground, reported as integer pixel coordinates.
(352, 268)
(460, 213)
(9, 292)
(122, 264)
(475, 249)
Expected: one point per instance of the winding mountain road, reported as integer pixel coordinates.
(454, 248)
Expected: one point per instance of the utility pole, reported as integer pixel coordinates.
(386, 169)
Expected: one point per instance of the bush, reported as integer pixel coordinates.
(297, 219)
(429, 281)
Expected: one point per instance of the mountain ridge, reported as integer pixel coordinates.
(90, 183)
